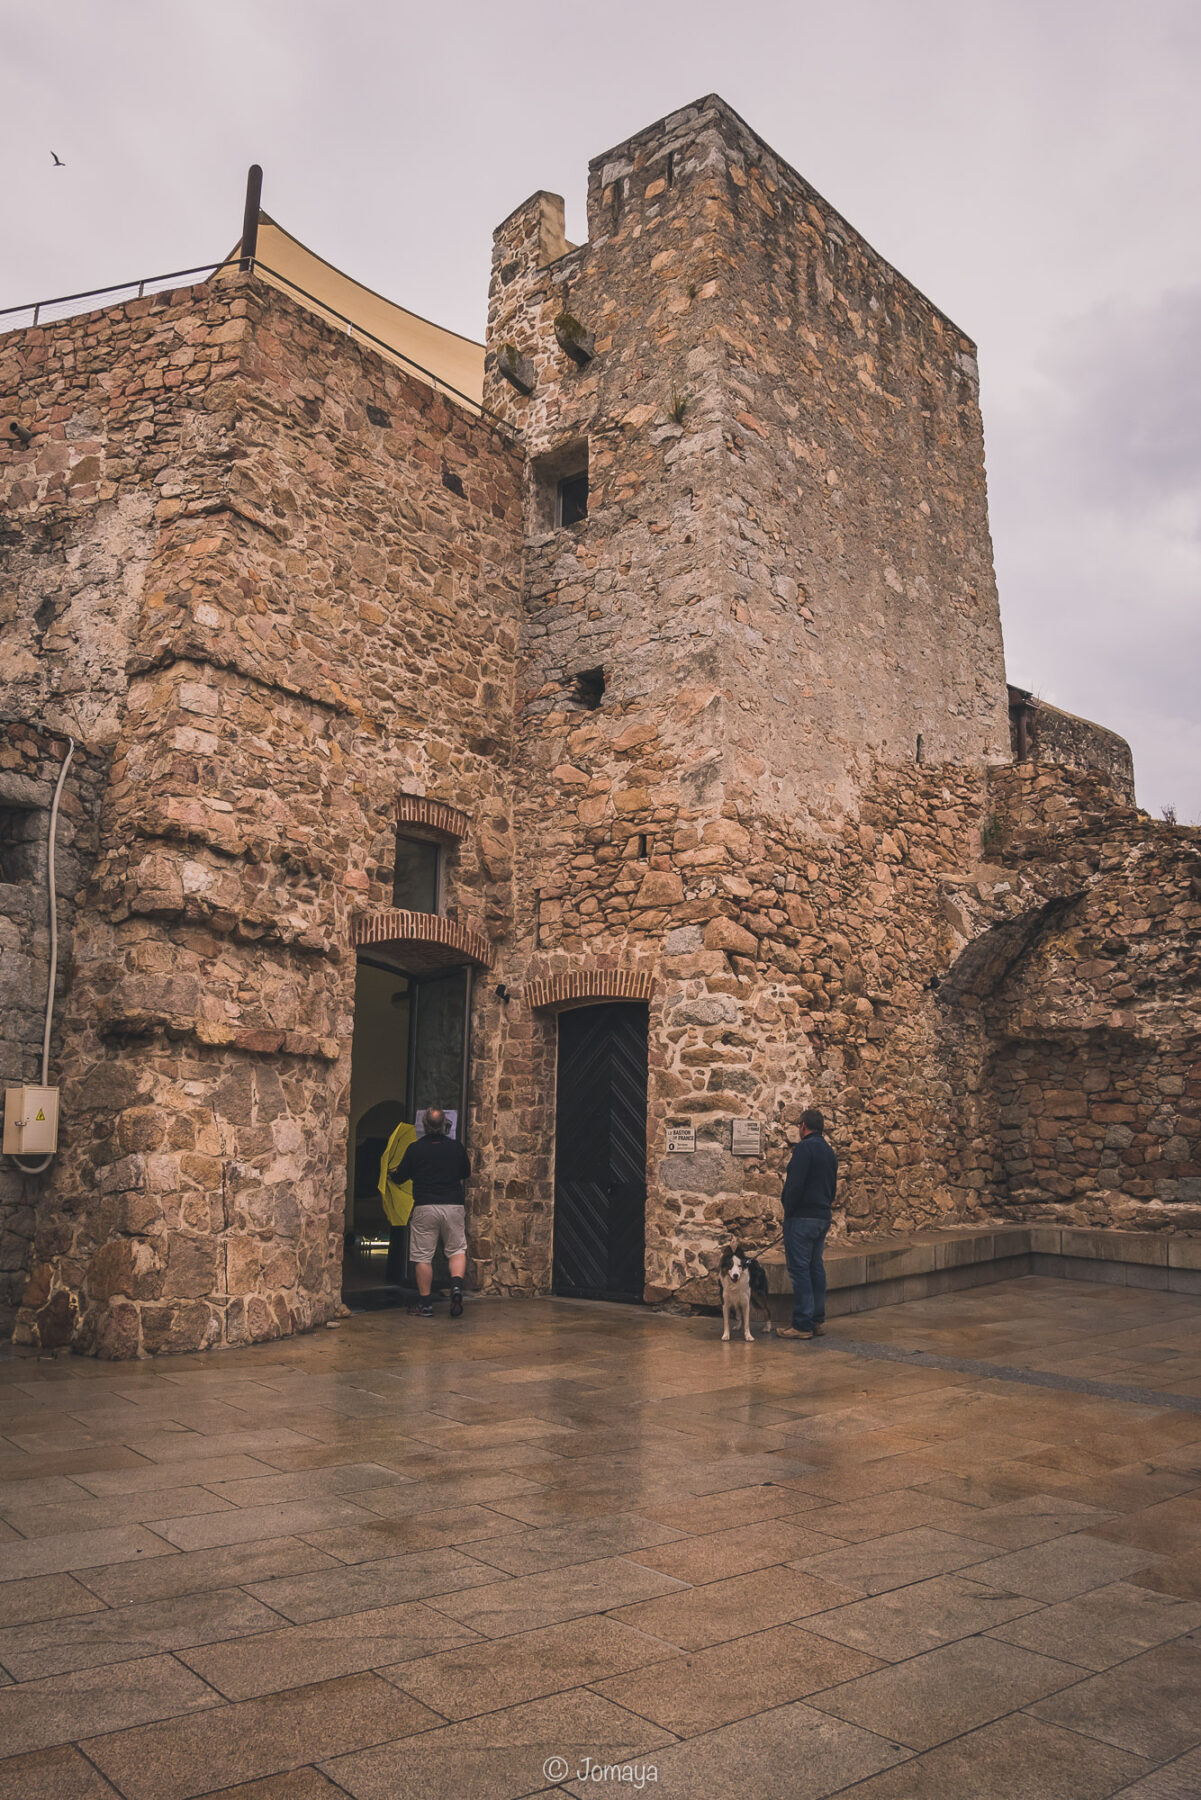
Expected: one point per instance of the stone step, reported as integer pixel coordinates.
(871, 1272)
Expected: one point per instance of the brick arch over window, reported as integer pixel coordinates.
(431, 815)
(582, 985)
(435, 940)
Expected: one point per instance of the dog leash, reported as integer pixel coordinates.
(770, 1244)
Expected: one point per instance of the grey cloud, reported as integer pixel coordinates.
(1096, 497)
(1132, 391)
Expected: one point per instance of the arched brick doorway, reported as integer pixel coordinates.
(413, 990)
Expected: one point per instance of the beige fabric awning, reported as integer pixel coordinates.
(413, 342)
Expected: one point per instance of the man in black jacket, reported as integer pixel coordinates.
(808, 1200)
(437, 1165)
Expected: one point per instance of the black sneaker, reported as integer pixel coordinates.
(423, 1310)
(456, 1306)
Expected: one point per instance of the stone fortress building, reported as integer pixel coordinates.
(616, 750)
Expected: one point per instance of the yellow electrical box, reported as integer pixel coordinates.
(30, 1121)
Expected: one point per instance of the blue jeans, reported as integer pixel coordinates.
(803, 1240)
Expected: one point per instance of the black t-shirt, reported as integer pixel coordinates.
(437, 1167)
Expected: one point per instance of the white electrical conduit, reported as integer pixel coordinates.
(37, 1168)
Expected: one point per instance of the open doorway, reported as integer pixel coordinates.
(379, 1085)
(409, 1052)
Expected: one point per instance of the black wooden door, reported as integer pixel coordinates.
(600, 1153)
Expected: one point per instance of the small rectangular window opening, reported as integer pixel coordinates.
(573, 498)
(643, 846)
(19, 838)
(416, 877)
(589, 688)
(921, 748)
(670, 171)
(558, 487)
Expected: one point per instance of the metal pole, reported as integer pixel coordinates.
(250, 218)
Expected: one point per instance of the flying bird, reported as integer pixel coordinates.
(58, 161)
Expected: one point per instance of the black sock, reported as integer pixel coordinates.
(456, 1287)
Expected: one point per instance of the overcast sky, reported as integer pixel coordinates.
(1033, 165)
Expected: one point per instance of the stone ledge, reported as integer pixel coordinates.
(885, 1271)
(1119, 1274)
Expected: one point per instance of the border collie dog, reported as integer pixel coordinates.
(743, 1285)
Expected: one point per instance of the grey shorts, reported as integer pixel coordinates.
(428, 1223)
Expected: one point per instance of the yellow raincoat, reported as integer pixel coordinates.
(397, 1197)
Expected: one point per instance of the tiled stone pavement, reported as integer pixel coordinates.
(423, 1559)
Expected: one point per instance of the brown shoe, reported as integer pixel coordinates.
(819, 1331)
(789, 1331)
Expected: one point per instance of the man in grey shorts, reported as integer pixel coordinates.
(437, 1165)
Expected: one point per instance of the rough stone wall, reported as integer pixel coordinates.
(827, 1001)
(30, 760)
(110, 399)
(785, 576)
(323, 622)
(612, 797)
(1043, 734)
(864, 615)
(1078, 1009)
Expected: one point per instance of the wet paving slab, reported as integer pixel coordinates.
(954, 1547)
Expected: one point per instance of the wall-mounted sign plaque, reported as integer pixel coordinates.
(681, 1137)
(746, 1139)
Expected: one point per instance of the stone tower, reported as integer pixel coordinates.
(784, 582)
(785, 462)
